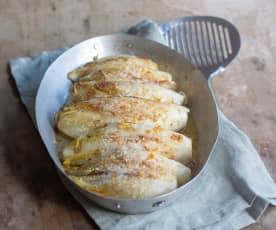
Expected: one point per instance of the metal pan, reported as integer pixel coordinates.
(54, 90)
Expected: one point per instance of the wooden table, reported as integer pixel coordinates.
(31, 195)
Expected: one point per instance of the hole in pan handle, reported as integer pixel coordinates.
(158, 204)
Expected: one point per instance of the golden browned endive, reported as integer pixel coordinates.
(77, 119)
(82, 91)
(168, 143)
(126, 173)
(111, 64)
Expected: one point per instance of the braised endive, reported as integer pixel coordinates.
(120, 126)
(77, 119)
(126, 172)
(86, 90)
(150, 138)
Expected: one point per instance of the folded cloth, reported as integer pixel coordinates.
(232, 192)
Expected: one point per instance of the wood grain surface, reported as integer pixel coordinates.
(31, 195)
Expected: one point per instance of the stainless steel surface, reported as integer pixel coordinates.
(188, 78)
(208, 42)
